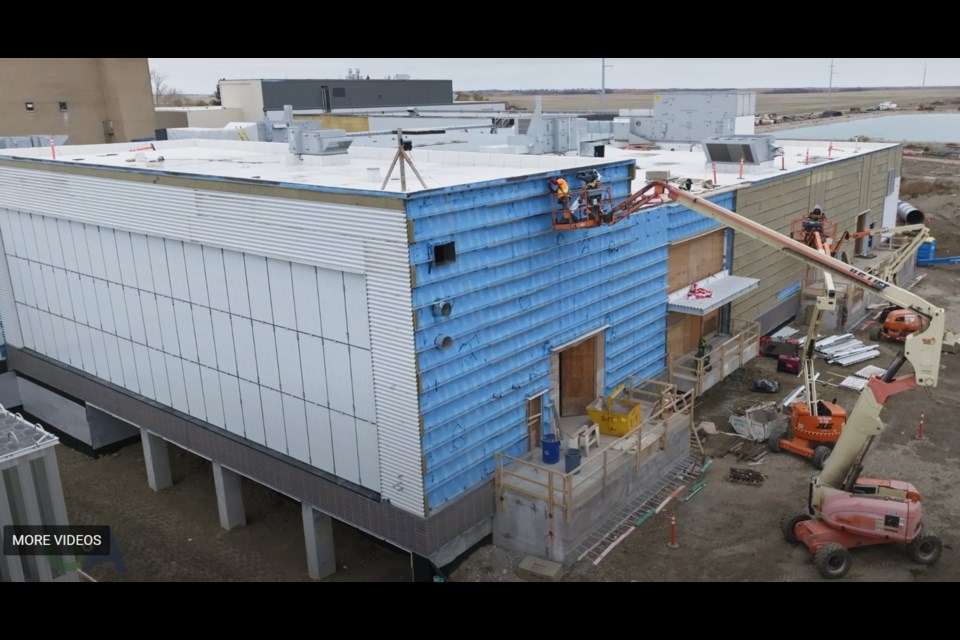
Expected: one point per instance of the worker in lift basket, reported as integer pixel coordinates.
(815, 219)
(560, 187)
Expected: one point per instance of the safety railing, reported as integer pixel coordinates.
(727, 353)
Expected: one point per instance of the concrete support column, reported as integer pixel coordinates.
(157, 460)
(229, 497)
(318, 535)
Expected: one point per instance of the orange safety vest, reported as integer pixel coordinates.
(562, 188)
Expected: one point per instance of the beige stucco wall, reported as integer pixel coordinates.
(96, 91)
(246, 95)
(844, 190)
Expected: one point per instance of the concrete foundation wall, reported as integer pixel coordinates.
(525, 526)
(55, 410)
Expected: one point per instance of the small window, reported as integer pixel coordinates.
(445, 253)
(63, 106)
(30, 106)
(339, 92)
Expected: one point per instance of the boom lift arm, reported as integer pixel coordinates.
(921, 349)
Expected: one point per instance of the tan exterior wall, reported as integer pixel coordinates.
(107, 99)
(844, 190)
(345, 122)
(246, 95)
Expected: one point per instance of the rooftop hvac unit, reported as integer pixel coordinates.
(317, 142)
(750, 149)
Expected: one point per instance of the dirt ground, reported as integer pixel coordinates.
(730, 532)
(727, 532)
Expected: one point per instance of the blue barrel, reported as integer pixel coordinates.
(571, 459)
(551, 449)
(927, 250)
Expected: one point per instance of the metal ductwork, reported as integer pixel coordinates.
(909, 214)
(317, 142)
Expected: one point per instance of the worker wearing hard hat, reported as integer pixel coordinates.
(560, 187)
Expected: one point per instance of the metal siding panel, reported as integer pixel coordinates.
(104, 306)
(135, 315)
(281, 294)
(368, 454)
(258, 286)
(158, 265)
(29, 237)
(216, 279)
(111, 256)
(177, 269)
(60, 339)
(73, 344)
(288, 357)
(236, 275)
(266, 350)
(339, 384)
(178, 389)
(295, 423)
(272, 404)
(100, 362)
(196, 273)
(114, 364)
(232, 409)
(86, 349)
(13, 268)
(95, 247)
(27, 339)
(223, 340)
(39, 237)
(39, 340)
(345, 456)
(141, 258)
(314, 370)
(361, 371)
(243, 344)
(141, 356)
(305, 295)
(299, 230)
(52, 234)
(355, 296)
(252, 412)
(50, 288)
(168, 325)
(66, 244)
(126, 261)
(321, 439)
(128, 362)
(23, 272)
(194, 383)
(211, 396)
(15, 244)
(39, 290)
(333, 310)
(118, 305)
(63, 293)
(49, 343)
(185, 330)
(203, 327)
(151, 320)
(158, 371)
(81, 247)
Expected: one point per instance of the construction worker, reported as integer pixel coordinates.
(560, 187)
(591, 178)
(815, 219)
(687, 184)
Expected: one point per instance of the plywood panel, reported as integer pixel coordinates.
(252, 412)
(321, 439)
(295, 421)
(223, 339)
(288, 357)
(308, 302)
(345, 456)
(695, 259)
(281, 294)
(236, 276)
(212, 400)
(272, 404)
(339, 385)
(266, 349)
(258, 286)
(216, 279)
(232, 409)
(333, 312)
(578, 375)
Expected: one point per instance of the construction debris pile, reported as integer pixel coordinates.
(744, 450)
(746, 476)
(759, 421)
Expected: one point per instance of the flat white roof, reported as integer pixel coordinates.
(365, 167)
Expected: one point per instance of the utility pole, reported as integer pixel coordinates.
(830, 88)
(603, 83)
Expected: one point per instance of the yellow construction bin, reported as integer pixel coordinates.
(614, 418)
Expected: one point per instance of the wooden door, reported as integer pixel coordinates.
(578, 377)
(534, 422)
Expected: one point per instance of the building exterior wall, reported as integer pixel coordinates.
(282, 327)
(844, 189)
(345, 94)
(246, 95)
(115, 91)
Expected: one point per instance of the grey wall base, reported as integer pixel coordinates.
(9, 390)
(780, 314)
(427, 536)
(524, 524)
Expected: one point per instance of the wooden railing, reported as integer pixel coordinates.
(567, 491)
(701, 373)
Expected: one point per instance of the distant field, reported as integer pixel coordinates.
(779, 103)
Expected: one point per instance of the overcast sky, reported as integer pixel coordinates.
(200, 75)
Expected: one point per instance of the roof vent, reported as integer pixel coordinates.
(317, 142)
